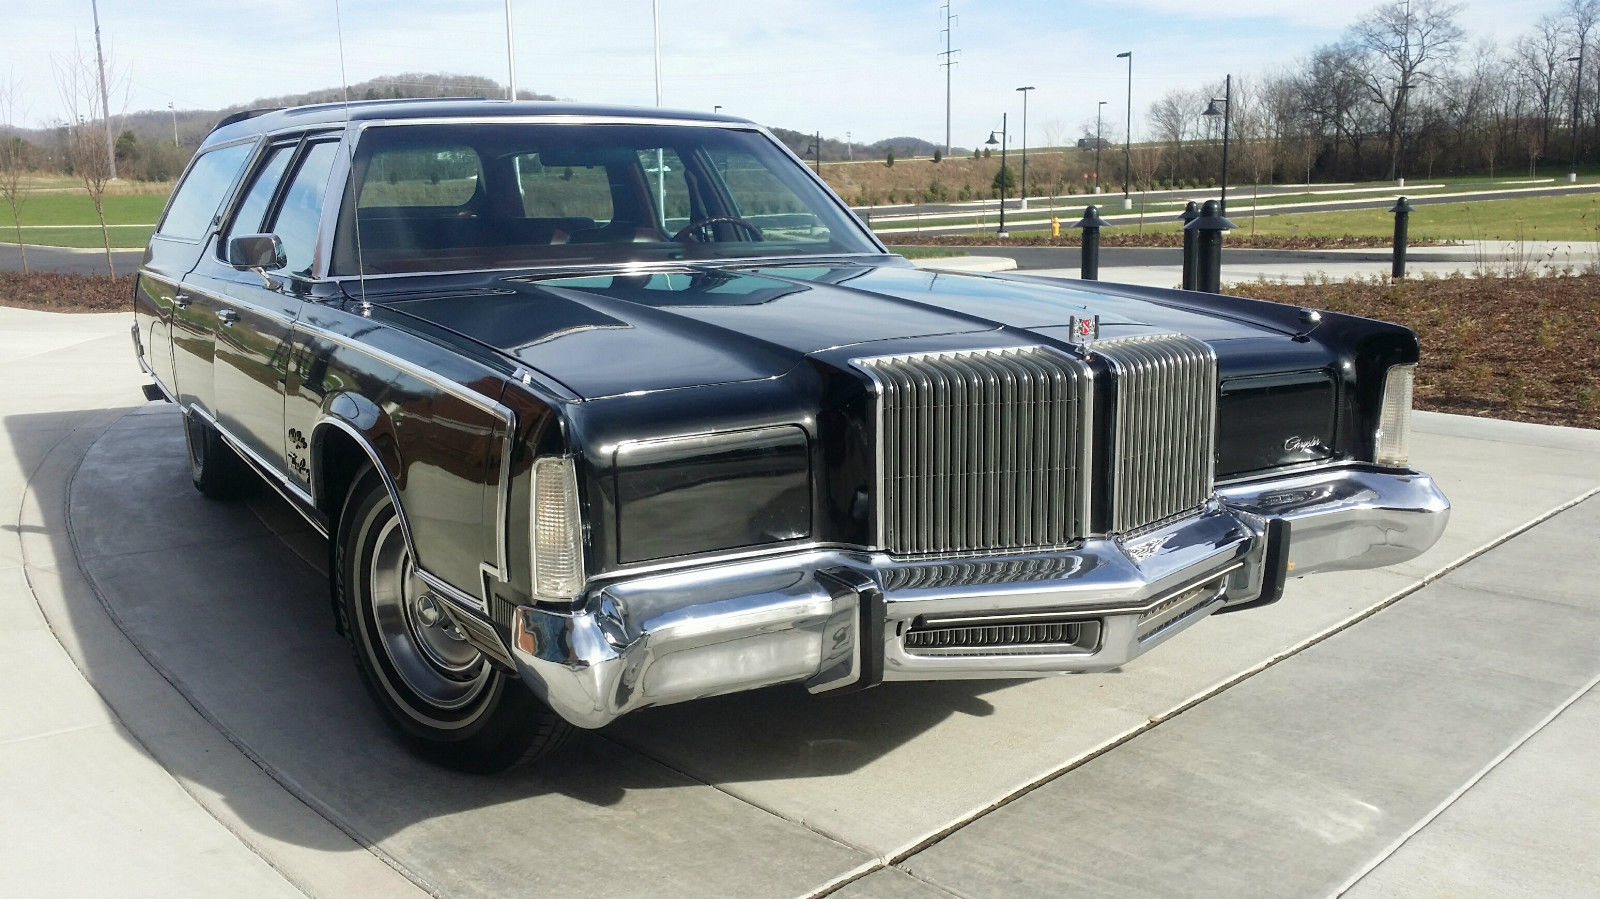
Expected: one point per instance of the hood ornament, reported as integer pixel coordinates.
(1083, 331)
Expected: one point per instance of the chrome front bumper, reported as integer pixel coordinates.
(834, 618)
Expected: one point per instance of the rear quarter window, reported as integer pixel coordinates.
(196, 201)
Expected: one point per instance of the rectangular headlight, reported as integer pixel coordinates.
(1394, 420)
(557, 530)
(710, 492)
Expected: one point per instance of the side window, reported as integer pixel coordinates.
(201, 194)
(300, 215)
(429, 176)
(564, 191)
(253, 209)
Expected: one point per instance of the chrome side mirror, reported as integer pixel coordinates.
(257, 253)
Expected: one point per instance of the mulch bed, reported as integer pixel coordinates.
(1526, 349)
(1119, 238)
(51, 292)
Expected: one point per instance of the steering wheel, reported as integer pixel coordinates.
(698, 227)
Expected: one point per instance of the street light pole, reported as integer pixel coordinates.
(1097, 142)
(1227, 114)
(174, 110)
(1577, 88)
(1024, 192)
(1002, 142)
(1127, 140)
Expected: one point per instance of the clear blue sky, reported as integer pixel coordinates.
(866, 67)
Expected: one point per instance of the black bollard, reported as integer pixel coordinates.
(1208, 230)
(1090, 225)
(1402, 223)
(1190, 243)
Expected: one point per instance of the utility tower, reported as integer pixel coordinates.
(949, 54)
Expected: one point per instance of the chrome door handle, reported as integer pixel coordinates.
(227, 316)
(182, 300)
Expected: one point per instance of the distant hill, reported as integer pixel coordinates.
(834, 150)
(154, 127)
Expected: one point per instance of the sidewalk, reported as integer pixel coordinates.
(189, 726)
(91, 806)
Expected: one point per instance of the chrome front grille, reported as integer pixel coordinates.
(1164, 427)
(981, 450)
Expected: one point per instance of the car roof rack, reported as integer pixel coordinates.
(247, 114)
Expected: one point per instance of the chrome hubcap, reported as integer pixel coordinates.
(423, 645)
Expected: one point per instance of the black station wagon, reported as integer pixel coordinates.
(601, 409)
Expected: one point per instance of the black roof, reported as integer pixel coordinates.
(258, 121)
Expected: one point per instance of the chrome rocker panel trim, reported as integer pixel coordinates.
(808, 616)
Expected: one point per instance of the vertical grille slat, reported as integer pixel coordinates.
(1164, 427)
(982, 450)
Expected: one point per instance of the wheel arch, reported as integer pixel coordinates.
(341, 451)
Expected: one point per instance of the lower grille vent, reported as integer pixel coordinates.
(1001, 638)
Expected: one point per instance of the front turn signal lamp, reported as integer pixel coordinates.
(557, 530)
(1394, 419)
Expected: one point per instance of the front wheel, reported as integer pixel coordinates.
(446, 700)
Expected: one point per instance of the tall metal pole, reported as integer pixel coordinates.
(174, 110)
(1097, 142)
(511, 57)
(105, 96)
(949, 55)
(1127, 140)
(1577, 89)
(1227, 116)
(655, 16)
(1004, 139)
(1024, 191)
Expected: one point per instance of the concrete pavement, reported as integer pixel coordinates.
(191, 715)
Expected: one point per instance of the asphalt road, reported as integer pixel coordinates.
(68, 261)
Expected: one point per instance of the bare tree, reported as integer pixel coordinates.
(1331, 94)
(77, 80)
(1172, 119)
(12, 158)
(1538, 58)
(1405, 41)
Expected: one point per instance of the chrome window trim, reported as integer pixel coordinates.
(580, 269)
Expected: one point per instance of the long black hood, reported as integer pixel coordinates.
(612, 334)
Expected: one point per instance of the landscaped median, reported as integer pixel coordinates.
(1520, 348)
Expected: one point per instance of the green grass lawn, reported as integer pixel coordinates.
(1534, 218)
(75, 209)
(131, 218)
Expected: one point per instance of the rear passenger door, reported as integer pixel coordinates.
(179, 327)
(284, 197)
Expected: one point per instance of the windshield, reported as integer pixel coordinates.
(475, 196)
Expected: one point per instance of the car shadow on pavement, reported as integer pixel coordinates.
(220, 599)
